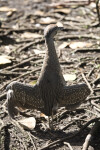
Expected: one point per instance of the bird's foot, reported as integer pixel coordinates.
(51, 126)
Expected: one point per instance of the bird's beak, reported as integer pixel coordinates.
(60, 28)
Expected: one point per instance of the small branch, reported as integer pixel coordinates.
(33, 58)
(21, 140)
(69, 137)
(89, 1)
(3, 96)
(96, 89)
(91, 71)
(92, 112)
(15, 123)
(94, 104)
(30, 44)
(97, 8)
(72, 122)
(9, 73)
(4, 106)
(66, 37)
(20, 30)
(88, 84)
(18, 78)
(69, 146)
(1, 125)
(92, 133)
(94, 97)
(86, 50)
(32, 141)
(97, 109)
(96, 80)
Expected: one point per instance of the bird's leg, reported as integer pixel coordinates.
(57, 118)
(51, 121)
(54, 109)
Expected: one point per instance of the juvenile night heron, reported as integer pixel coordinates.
(50, 90)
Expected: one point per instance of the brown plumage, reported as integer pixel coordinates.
(50, 90)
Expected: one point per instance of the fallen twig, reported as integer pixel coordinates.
(69, 146)
(88, 84)
(69, 4)
(86, 50)
(97, 8)
(21, 140)
(1, 124)
(96, 80)
(94, 97)
(91, 71)
(97, 109)
(92, 112)
(18, 78)
(34, 146)
(72, 122)
(94, 104)
(96, 89)
(4, 106)
(92, 133)
(68, 137)
(33, 58)
(3, 96)
(30, 44)
(66, 37)
(9, 73)
(20, 30)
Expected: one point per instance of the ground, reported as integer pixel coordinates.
(78, 47)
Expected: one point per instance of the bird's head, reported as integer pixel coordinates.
(51, 30)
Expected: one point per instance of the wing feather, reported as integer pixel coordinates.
(73, 95)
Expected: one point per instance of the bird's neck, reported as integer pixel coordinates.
(51, 51)
(51, 57)
(51, 67)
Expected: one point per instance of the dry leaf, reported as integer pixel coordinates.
(69, 77)
(8, 48)
(57, 5)
(63, 10)
(10, 13)
(33, 82)
(31, 35)
(5, 59)
(59, 24)
(39, 13)
(28, 123)
(75, 45)
(47, 20)
(63, 45)
(38, 1)
(43, 116)
(5, 9)
(93, 5)
(36, 51)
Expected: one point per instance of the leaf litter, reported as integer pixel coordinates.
(21, 28)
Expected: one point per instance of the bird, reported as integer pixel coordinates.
(51, 91)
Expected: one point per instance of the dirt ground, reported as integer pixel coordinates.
(22, 23)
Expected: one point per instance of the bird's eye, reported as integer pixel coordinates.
(56, 32)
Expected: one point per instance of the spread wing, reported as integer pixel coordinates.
(23, 96)
(73, 96)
